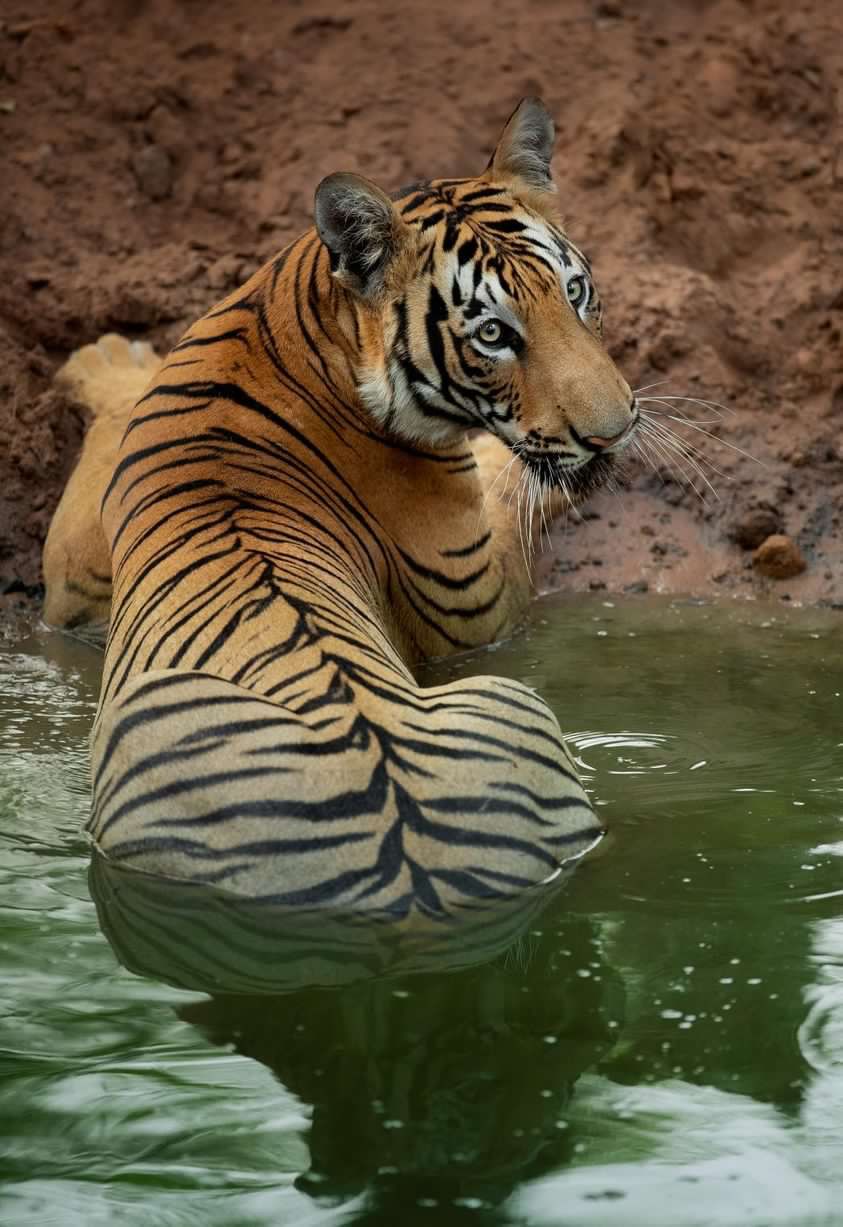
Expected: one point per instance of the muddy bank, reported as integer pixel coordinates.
(154, 153)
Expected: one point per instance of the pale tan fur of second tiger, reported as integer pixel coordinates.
(106, 380)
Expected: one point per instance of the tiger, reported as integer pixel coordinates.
(330, 480)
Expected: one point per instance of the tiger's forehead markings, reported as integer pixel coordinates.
(486, 251)
(431, 204)
(521, 270)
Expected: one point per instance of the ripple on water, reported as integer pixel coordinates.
(650, 756)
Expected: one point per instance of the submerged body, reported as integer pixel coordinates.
(297, 515)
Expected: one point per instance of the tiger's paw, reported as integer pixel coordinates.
(110, 375)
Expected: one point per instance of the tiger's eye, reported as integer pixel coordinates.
(490, 332)
(576, 291)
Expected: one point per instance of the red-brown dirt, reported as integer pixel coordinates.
(154, 152)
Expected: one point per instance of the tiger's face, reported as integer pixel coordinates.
(479, 311)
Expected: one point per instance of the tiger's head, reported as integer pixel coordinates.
(472, 308)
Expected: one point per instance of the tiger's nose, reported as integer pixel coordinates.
(601, 443)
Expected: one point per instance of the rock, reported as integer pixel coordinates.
(750, 528)
(153, 171)
(778, 558)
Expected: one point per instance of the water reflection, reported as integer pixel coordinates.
(438, 1065)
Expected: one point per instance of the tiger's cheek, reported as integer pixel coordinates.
(518, 394)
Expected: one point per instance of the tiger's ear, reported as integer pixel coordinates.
(361, 228)
(526, 146)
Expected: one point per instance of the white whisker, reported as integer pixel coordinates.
(668, 458)
(693, 400)
(541, 501)
(647, 386)
(687, 447)
(516, 487)
(669, 443)
(732, 446)
(638, 448)
(505, 470)
(568, 503)
(679, 414)
(518, 510)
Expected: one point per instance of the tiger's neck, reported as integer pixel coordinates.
(322, 343)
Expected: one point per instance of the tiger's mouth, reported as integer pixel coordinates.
(577, 481)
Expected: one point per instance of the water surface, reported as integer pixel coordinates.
(662, 1044)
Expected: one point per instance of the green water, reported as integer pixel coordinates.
(663, 1045)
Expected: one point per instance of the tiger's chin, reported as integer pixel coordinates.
(576, 483)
